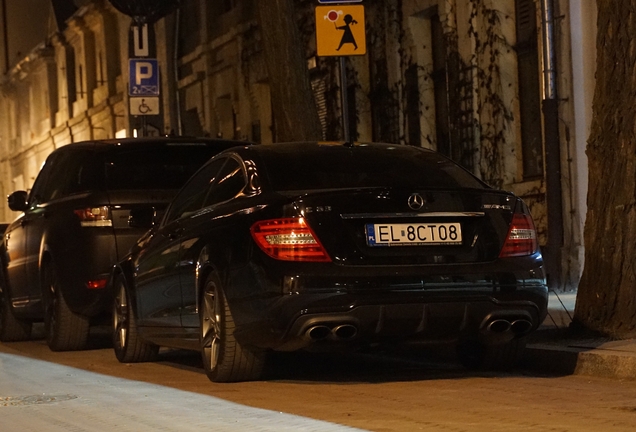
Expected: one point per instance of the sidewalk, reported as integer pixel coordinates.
(552, 350)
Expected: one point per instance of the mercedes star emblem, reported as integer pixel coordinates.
(416, 201)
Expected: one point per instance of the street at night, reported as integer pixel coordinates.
(91, 391)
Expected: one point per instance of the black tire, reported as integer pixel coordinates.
(12, 329)
(65, 330)
(476, 355)
(128, 345)
(224, 358)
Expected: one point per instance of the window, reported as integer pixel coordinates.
(441, 84)
(162, 167)
(398, 166)
(190, 25)
(67, 173)
(230, 182)
(529, 89)
(191, 197)
(413, 106)
(42, 182)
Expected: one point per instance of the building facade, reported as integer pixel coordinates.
(469, 78)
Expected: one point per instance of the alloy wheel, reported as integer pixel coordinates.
(120, 316)
(211, 329)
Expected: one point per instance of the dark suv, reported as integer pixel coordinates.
(56, 256)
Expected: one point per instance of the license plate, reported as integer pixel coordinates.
(414, 234)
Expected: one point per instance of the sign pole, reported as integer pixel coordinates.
(344, 100)
(340, 32)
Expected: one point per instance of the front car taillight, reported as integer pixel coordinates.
(94, 216)
(288, 239)
(522, 237)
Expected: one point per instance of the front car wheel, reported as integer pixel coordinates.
(128, 345)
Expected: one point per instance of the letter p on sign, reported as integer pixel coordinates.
(144, 71)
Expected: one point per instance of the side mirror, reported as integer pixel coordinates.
(18, 201)
(143, 217)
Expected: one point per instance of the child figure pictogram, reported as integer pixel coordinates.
(347, 36)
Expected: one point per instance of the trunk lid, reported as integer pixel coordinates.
(386, 226)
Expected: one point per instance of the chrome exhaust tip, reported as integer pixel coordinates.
(345, 331)
(521, 326)
(498, 326)
(318, 332)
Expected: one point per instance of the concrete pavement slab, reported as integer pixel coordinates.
(40, 396)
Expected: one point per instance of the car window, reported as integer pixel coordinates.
(231, 181)
(163, 167)
(381, 166)
(42, 181)
(191, 197)
(67, 173)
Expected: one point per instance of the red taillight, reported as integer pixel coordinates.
(288, 239)
(94, 216)
(522, 237)
(96, 284)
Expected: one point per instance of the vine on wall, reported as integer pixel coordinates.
(496, 117)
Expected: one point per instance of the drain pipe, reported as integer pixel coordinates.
(175, 66)
(552, 148)
(5, 34)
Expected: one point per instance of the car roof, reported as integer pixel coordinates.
(150, 142)
(292, 164)
(336, 147)
(316, 145)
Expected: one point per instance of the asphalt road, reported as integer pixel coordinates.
(91, 391)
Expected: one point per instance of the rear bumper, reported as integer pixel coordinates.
(282, 306)
(318, 320)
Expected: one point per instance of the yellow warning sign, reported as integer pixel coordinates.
(340, 30)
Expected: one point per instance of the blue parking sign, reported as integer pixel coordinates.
(144, 77)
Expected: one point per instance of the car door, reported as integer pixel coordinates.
(15, 253)
(19, 257)
(158, 292)
(199, 230)
(48, 212)
(156, 278)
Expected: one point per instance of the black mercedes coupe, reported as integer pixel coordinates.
(321, 246)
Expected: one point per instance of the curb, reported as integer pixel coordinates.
(569, 360)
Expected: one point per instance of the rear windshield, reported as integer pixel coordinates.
(163, 167)
(390, 166)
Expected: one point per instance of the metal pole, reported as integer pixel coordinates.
(5, 34)
(345, 100)
(175, 65)
(549, 69)
(554, 191)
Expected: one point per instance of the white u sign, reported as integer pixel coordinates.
(140, 41)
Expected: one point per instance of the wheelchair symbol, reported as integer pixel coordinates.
(144, 108)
